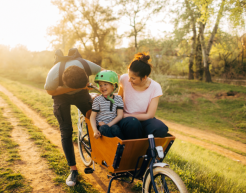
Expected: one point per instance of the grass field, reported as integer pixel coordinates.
(206, 106)
(200, 169)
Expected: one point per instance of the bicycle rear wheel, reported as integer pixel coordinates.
(83, 142)
(166, 181)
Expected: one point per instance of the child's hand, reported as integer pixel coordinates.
(101, 123)
(97, 134)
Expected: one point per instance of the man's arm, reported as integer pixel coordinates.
(61, 90)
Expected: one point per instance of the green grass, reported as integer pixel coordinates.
(56, 160)
(39, 101)
(195, 104)
(207, 141)
(200, 169)
(10, 180)
(205, 171)
(12, 75)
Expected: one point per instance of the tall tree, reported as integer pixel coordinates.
(87, 24)
(138, 13)
(204, 16)
(216, 9)
(193, 18)
(185, 14)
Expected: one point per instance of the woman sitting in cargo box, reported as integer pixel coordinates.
(140, 96)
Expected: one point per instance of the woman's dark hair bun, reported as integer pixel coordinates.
(145, 58)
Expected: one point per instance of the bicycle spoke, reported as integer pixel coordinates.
(164, 184)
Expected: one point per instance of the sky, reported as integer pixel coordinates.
(26, 22)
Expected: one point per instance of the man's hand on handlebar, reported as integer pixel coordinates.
(97, 134)
(89, 86)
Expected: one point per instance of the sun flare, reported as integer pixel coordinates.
(25, 22)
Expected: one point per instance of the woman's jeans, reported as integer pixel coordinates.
(62, 108)
(132, 128)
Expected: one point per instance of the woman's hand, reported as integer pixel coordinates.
(97, 134)
(101, 123)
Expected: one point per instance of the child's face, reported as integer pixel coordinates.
(105, 88)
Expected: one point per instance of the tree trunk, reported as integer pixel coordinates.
(191, 72)
(211, 39)
(206, 51)
(193, 46)
(242, 55)
(136, 43)
(204, 54)
(198, 60)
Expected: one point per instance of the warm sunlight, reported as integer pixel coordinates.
(70, 120)
(25, 22)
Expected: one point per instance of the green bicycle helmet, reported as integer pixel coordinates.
(107, 76)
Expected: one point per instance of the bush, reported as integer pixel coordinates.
(37, 74)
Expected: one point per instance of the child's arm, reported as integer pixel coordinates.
(97, 134)
(116, 119)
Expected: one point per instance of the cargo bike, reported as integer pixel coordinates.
(127, 160)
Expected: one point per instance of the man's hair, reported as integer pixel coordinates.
(75, 77)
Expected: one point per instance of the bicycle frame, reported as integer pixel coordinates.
(149, 162)
(150, 155)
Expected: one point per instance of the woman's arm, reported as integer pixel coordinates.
(97, 134)
(120, 92)
(116, 119)
(150, 112)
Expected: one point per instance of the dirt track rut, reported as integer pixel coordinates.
(32, 165)
(213, 138)
(98, 179)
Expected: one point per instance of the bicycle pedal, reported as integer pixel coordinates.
(88, 170)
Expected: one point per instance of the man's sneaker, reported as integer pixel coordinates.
(71, 179)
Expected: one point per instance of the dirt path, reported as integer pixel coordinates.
(199, 134)
(207, 136)
(98, 179)
(32, 166)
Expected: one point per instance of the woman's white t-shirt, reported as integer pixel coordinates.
(138, 101)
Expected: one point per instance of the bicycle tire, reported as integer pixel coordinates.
(83, 151)
(168, 176)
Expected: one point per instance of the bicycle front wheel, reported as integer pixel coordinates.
(166, 181)
(83, 142)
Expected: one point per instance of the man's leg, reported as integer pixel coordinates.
(62, 113)
(131, 128)
(82, 101)
(155, 127)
